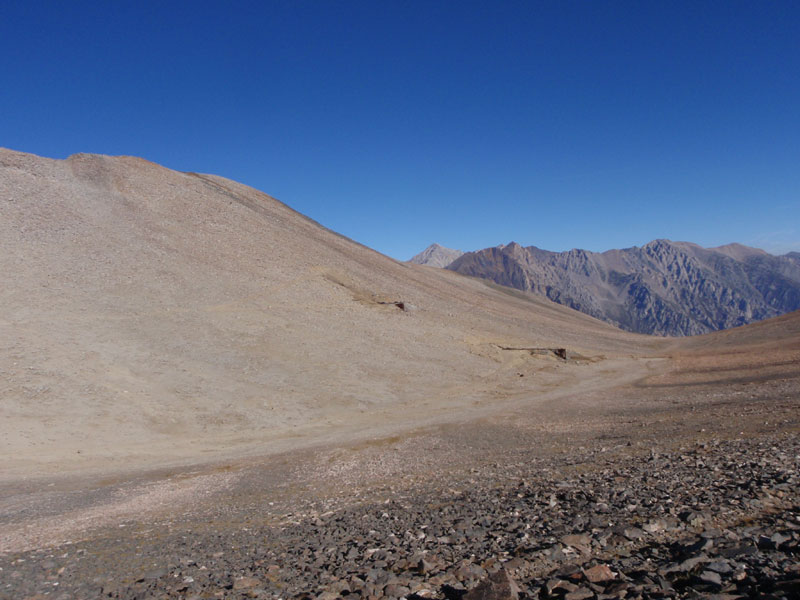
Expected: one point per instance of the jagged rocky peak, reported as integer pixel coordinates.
(436, 255)
(511, 249)
(663, 287)
(661, 247)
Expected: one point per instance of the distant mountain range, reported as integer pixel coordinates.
(661, 288)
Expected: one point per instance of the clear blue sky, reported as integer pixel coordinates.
(398, 123)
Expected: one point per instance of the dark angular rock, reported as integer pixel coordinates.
(394, 590)
(599, 574)
(469, 572)
(576, 540)
(556, 586)
(580, 594)
(498, 586)
(723, 567)
(426, 566)
(634, 533)
(710, 577)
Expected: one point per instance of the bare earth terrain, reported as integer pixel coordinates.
(205, 394)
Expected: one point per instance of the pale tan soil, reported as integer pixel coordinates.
(174, 346)
(152, 317)
(592, 423)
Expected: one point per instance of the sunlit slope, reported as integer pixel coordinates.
(147, 311)
(739, 359)
(777, 333)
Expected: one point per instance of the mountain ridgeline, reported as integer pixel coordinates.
(662, 288)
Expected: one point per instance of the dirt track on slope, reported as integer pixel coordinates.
(47, 508)
(607, 404)
(113, 534)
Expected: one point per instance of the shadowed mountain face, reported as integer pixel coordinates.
(436, 256)
(663, 288)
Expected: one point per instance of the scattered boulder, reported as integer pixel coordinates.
(599, 574)
(498, 586)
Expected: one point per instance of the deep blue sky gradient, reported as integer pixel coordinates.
(559, 124)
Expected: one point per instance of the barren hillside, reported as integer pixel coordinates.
(154, 316)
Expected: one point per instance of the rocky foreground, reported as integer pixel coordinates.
(717, 519)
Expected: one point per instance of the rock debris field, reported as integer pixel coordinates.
(717, 519)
